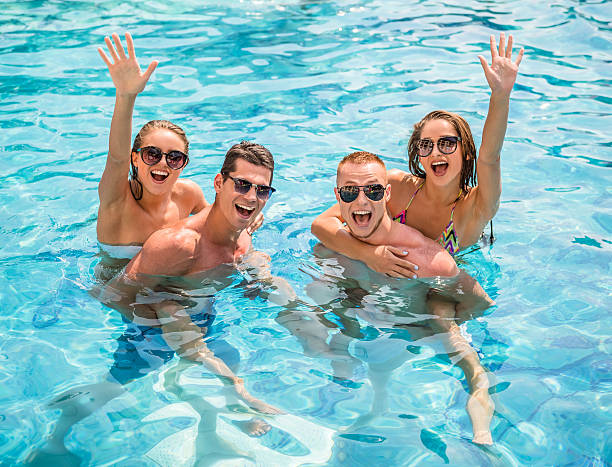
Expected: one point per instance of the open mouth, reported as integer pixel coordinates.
(244, 211)
(362, 218)
(439, 168)
(159, 175)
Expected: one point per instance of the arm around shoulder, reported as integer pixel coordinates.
(329, 228)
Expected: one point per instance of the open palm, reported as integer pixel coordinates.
(124, 70)
(501, 74)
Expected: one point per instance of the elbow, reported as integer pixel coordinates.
(315, 228)
(318, 229)
(444, 265)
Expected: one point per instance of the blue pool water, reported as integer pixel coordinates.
(311, 80)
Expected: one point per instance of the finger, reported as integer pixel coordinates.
(502, 41)
(407, 269)
(483, 62)
(405, 273)
(119, 46)
(397, 251)
(111, 49)
(149, 71)
(104, 57)
(520, 56)
(393, 274)
(493, 46)
(130, 45)
(509, 48)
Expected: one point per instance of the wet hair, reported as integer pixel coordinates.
(253, 153)
(468, 166)
(135, 184)
(360, 157)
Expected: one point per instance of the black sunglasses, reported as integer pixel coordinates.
(446, 145)
(349, 193)
(242, 186)
(151, 155)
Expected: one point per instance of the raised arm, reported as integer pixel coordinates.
(500, 75)
(129, 81)
(329, 228)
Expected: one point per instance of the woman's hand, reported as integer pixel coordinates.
(256, 224)
(125, 71)
(501, 74)
(388, 260)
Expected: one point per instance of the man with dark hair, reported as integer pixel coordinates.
(215, 235)
(156, 308)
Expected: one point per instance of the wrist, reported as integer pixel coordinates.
(236, 381)
(500, 95)
(125, 95)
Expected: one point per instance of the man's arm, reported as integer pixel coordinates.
(161, 255)
(329, 228)
(167, 252)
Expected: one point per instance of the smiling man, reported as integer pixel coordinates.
(217, 234)
(214, 236)
(363, 193)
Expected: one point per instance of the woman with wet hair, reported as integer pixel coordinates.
(153, 196)
(440, 196)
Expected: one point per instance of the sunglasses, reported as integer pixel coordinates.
(242, 187)
(348, 194)
(446, 145)
(151, 155)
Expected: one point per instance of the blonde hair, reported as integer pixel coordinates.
(135, 184)
(360, 157)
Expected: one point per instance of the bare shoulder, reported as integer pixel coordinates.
(397, 176)
(403, 185)
(189, 194)
(184, 185)
(169, 251)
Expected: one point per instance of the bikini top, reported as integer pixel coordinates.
(448, 238)
(120, 251)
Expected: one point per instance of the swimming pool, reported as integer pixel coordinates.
(311, 80)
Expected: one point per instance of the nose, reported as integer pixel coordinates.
(361, 197)
(435, 151)
(251, 194)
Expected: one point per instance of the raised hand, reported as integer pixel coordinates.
(124, 70)
(501, 74)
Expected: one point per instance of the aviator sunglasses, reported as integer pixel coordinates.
(349, 193)
(242, 187)
(446, 145)
(151, 155)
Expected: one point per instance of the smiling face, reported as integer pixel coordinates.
(158, 179)
(362, 216)
(441, 168)
(241, 209)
